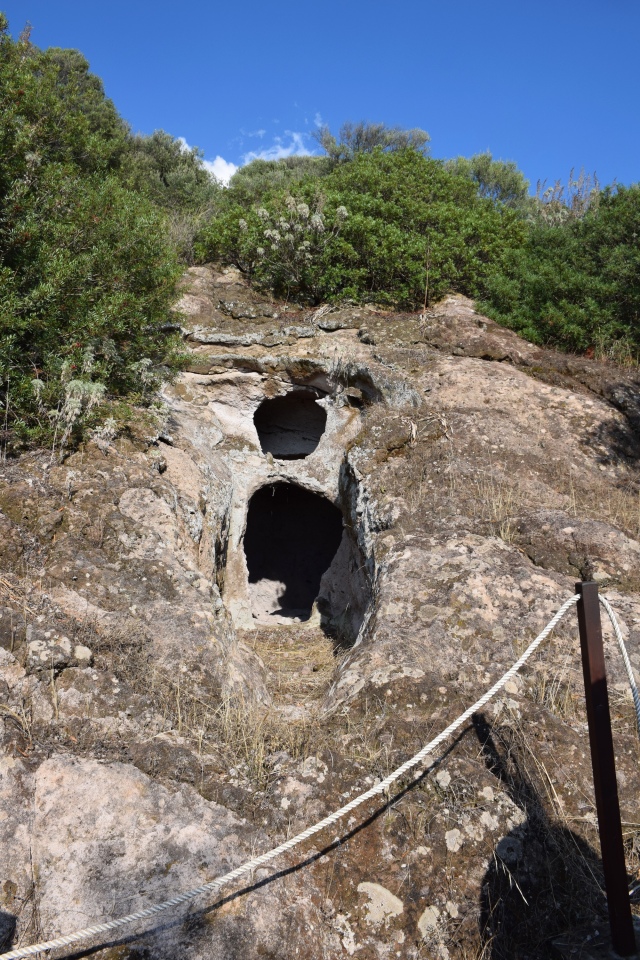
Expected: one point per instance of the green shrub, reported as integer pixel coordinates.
(260, 178)
(365, 137)
(576, 285)
(87, 276)
(498, 180)
(174, 178)
(406, 216)
(87, 284)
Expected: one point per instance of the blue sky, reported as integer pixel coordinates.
(551, 85)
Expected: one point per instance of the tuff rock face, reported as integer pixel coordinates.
(166, 713)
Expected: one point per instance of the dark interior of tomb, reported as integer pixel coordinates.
(290, 427)
(292, 536)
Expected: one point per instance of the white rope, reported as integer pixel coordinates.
(256, 862)
(625, 657)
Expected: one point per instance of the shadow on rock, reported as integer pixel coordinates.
(543, 881)
(7, 930)
(622, 438)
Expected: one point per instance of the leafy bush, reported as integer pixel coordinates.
(87, 283)
(53, 109)
(173, 177)
(260, 178)
(407, 220)
(576, 285)
(87, 276)
(496, 180)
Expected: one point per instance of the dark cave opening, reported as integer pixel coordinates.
(291, 538)
(290, 427)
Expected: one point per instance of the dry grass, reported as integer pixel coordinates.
(240, 738)
(241, 733)
(445, 472)
(15, 592)
(617, 505)
(498, 501)
(244, 735)
(555, 686)
(251, 737)
(300, 661)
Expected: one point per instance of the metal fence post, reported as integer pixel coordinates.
(604, 770)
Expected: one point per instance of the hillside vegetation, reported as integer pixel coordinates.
(91, 233)
(96, 225)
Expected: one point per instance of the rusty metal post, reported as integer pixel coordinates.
(604, 770)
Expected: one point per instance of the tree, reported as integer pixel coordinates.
(87, 274)
(173, 177)
(53, 110)
(257, 179)
(496, 180)
(365, 137)
(171, 174)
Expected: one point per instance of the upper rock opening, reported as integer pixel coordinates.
(291, 538)
(290, 427)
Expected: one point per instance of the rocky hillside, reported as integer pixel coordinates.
(344, 525)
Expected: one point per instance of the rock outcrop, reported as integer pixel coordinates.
(169, 705)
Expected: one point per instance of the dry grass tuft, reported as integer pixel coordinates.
(617, 505)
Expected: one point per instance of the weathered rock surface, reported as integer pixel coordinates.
(161, 723)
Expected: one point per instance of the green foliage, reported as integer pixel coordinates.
(95, 222)
(169, 174)
(173, 177)
(52, 109)
(87, 282)
(496, 180)
(383, 223)
(87, 276)
(260, 178)
(365, 137)
(286, 246)
(576, 285)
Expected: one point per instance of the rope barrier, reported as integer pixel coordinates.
(625, 658)
(251, 865)
(381, 787)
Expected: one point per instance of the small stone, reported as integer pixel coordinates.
(452, 909)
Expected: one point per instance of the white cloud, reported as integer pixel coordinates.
(296, 147)
(253, 133)
(221, 169)
(318, 119)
